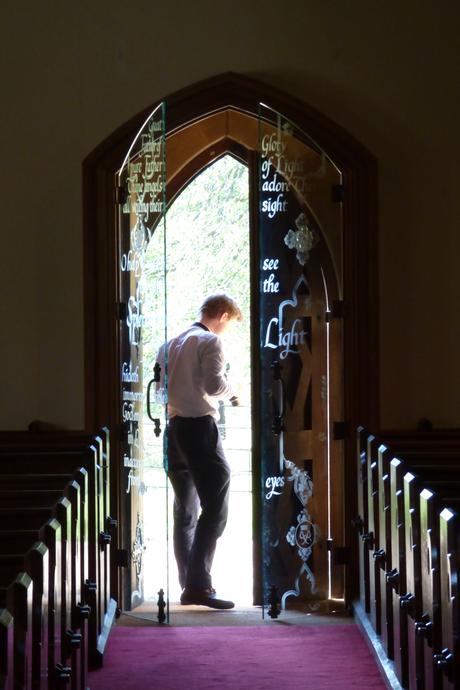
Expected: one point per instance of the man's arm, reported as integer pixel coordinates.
(213, 366)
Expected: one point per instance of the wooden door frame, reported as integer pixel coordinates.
(360, 325)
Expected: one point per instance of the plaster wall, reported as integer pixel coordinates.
(74, 72)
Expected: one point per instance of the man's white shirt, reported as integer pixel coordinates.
(196, 373)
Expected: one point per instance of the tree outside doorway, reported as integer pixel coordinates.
(207, 250)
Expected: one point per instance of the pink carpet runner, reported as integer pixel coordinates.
(333, 657)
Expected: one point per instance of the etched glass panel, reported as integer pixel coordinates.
(300, 254)
(141, 196)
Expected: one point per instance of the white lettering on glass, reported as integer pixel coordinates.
(133, 396)
(272, 144)
(270, 264)
(269, 284)
(132, 262)
(128, 374)
(272, 484)
(287, 172)
(286, 341)
(129, 461)
(271, 208)
(135, 319)
(280, 339)
(129, 413)
(135, 481)
(133, 437)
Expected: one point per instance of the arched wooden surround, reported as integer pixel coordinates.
(207, 109)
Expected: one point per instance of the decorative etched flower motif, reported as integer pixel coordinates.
(302, 240)
(303, 485)
(288, 129)
(140, 235)
(290, 536)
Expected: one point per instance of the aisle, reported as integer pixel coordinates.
(277, 655)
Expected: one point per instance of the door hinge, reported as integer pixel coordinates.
(276, 368)
(340, 555)
(336, 311)
(277, 425)
(121, 194)
(122, 310)
(340, 430)
(338, 193)
(122, 558)
(123, 433)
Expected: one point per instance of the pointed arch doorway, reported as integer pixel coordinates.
(320, 266)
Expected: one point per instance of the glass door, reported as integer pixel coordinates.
(141, 184)
(300, 267)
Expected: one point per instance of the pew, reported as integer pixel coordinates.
(73, 612)
(18, 542)
(417, 604)
(22, 462)
(414, 608)
(400, 440)
(44, 460)
(66, 616)
(6, 650)
(34, 481)
(411, 601)
(396, 576)
(62, 510)
(61, 481)
(372, 542)
(401, 493)
(383, 558)
(16, 597)
(65, 458)
(34, 564)
(361, 521)
(366, 521)
(63, 642)
(429, 628)
(377, 540)
(435, 609)
(447, 660)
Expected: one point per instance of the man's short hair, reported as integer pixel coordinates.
(218, 303)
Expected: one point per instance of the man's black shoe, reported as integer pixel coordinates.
(204, 597)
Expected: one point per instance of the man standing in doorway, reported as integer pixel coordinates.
(197, 468)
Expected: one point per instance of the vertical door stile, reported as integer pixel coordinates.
(257, 476)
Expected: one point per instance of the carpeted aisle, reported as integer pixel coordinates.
(231, 658)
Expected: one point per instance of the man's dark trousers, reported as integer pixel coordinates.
(200, 476)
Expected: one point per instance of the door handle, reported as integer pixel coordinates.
(155, 420)
(156, 379)
(149, 408)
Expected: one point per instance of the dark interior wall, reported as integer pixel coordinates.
(72, 73)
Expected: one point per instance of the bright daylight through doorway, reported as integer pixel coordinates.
(207, 250)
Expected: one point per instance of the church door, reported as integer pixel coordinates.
(296, 361)
(140, 190)
(301, 454)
